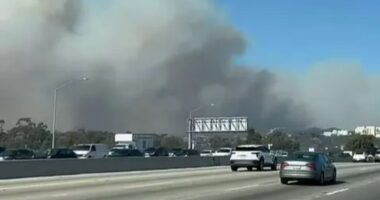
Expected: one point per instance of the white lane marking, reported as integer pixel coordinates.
(241, 188)
(158, 172)
(63, 183)
(337, 191)
(60, 195)
(44, 185)
(148, 185)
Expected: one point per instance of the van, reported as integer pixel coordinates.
(91, 150)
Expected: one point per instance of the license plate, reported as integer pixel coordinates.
(297, 168)
(242, 155)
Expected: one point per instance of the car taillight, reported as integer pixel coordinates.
(311, 166)
(284, 164)
(254, 153)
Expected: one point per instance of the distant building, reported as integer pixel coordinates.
(140, 141)
(368, 130)
(336, 133)
(144, 140)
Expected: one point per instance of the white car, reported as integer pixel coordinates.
(225, 151)
(377, 155)
(359, 157)
(206, 153)
(283, 154)
(250, 156)
(91, 150)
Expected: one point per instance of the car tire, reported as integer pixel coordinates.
(234, 169)
(249, 168)
(321, 180)
(284, 181)
(333, 180)
(260, 167)
(274, 165)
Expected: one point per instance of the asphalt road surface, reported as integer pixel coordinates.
(355, 181)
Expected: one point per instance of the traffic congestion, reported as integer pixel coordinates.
(103, 151)
(298, 166)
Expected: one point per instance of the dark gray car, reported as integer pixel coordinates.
(16, 154)
(308, 166)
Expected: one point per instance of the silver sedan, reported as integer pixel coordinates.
(308, 166)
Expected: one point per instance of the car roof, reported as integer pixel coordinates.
(18, 149)
(308, 153)
(251, 145)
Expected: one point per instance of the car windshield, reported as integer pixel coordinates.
(150, 150)
(119, 151)
(53, 151)
(82, 148)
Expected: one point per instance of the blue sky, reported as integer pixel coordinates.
(296, 34)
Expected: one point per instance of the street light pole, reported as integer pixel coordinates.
(55, 105)
(190, 136)
(54, 118)
(190, 131)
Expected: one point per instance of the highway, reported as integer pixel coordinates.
(355, 181)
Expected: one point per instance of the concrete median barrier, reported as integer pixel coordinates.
(38, 168)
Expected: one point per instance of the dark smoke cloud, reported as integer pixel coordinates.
(149, 64)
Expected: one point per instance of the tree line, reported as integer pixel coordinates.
(28, 134)
(277, 140)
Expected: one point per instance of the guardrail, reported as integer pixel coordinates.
(38, 168)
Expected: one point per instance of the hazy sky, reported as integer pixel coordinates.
(295, 34)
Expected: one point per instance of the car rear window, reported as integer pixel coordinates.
(53, 151)
(247, 148)
(304, 157)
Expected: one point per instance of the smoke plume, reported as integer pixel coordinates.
(149, 64)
